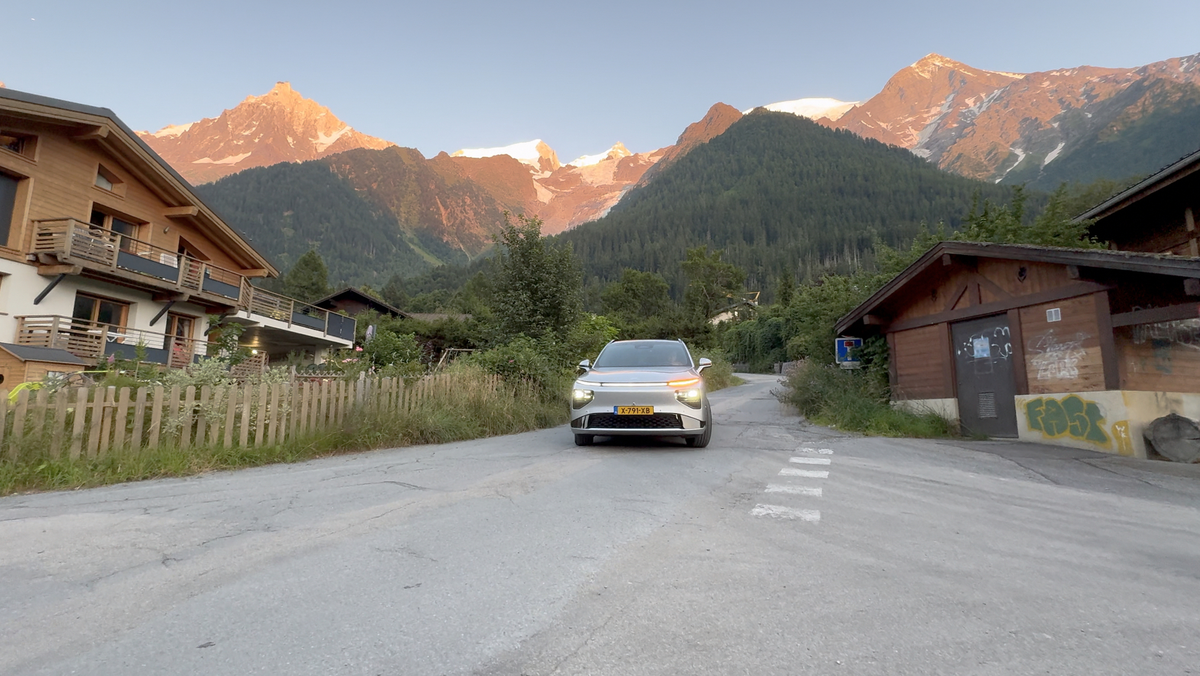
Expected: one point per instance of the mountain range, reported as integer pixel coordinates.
(1038, 129)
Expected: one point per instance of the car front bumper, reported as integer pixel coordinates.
(671, 416)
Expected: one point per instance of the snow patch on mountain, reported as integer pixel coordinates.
(232, 159)
(172, 130)
(525, 152)
(1054, 153)
(812, 108)
(324, 140)
(614, 153)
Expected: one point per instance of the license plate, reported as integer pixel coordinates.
(633, 410)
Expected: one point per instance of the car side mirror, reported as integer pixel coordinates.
(586, 365)
(705, 362)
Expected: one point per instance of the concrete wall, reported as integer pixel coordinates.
(947, 408)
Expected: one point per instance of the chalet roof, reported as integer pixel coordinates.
(351, 293)
(136, 150)
(1184, 166)
(44, 354)
(1127, 261)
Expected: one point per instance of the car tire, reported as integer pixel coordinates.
(702, 440)
(584, 439)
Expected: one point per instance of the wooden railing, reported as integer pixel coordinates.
(93, 340)
(73, 242)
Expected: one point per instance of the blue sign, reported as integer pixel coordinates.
(846, 351)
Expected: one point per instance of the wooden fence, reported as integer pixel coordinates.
(93, 421)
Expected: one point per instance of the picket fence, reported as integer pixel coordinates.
(94, 421)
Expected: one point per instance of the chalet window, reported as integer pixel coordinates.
(15, 142)
(100, 310)
(180, 326)
(8, 205)
(106, 180)
(118, 225)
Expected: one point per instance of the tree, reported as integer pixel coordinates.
(636, 297)
(712, 284)
(538, 287)
(394, 293)
(308, 280)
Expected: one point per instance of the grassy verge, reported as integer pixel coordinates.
(720, 374)
(469, 410)
(856, 401)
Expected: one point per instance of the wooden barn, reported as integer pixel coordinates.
(1077, 347)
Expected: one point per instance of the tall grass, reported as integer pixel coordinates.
(720, 374)
(858, 401)
(468, 407)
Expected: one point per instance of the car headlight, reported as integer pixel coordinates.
(693, 397)
(580, 398)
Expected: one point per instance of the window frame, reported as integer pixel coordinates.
(111, 215)
(98, 299)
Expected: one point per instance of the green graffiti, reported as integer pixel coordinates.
(1069, 416)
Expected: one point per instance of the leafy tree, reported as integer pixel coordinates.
(388, 348)
(785, 290)
(308, 280)
(640, 304)
(393, 292)
(713, 285)
(1007, 224)
(537, 291)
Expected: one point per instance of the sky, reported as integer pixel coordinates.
(451, 74)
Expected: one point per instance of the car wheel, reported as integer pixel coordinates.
(702, 440)
(584, 439)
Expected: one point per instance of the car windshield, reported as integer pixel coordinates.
(634, 354)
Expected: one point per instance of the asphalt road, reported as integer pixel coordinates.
(782, 548)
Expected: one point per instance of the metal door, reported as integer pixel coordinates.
(984, 374)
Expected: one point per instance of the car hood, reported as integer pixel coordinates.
(619, 376)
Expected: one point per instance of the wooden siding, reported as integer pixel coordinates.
(1160, 357)
(989, 281)
(922, 360)
(16, 371)
(63, 186)
(1063, 356)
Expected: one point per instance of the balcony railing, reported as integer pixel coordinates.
(73, 242)
(93, 340)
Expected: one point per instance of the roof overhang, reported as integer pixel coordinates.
(1185, 166)
(103, 127)
(943, 252)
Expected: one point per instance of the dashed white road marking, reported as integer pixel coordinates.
(793, 490)
(807, 473)
(822, 451)
(775, 511)
(809, 461)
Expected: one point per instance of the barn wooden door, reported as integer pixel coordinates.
(984, 374)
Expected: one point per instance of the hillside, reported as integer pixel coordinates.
(779, 193)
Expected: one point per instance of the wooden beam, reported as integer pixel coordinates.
(995, 288)
(255, 272)
(54, 270)
(893, 378)
(949, 375)
(1016, 339)
(170, 297)
(1108, 345)
(1073, 272)
(1157, 315)
(1191, 286)
(946, 260)
(181, 212)
(1050, 295)
(952, 300)
(92, 134)
(874, 320)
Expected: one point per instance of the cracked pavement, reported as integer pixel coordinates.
(528, 555)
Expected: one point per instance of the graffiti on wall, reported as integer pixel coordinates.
(1164, 338)
(1055, 358)
(982, 348)
(1069, 416)
(1124, 441)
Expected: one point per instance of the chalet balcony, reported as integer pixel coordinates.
(96, 341)
(66, 241)
(271, 316)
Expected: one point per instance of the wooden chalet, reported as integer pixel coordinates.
(1077, 347)
(353, 302)
(105, 248)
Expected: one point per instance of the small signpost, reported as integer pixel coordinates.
(846, 352)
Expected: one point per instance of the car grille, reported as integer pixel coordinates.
(658, 421)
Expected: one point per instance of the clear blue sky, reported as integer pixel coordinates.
(443, 75)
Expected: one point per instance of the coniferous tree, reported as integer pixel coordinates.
(308, 280)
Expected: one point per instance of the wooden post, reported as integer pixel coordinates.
(1108, 344)
(60, 422)
(230, 413)
(81, 407)
(273, 414)
(106, 419)
(139, 419)
(40, 404)
(293, 425)
(171, 419)
(185, 417)
(119, 420)
(214, 420)
(3, 416)
(201, 417)
(156, 416)
(247, 402)
(97, 422)
(18, 428)
(261, 420)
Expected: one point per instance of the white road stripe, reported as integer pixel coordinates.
(822, 451)
(794, 490)
(807, 473)
(810, 461)
(778, 512)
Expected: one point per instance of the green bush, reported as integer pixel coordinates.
(857, 401)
